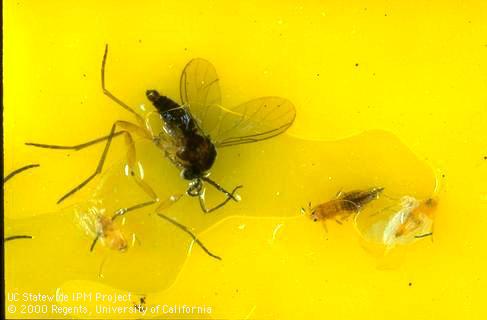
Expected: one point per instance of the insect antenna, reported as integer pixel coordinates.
(94, 242)
(121, 212)
(75, 147)
(8, 177)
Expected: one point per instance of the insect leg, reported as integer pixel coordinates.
(192, 235)
(17, 237)
(127, 126)
(140, 120)
(324, 226)
(75, 147)
(230, 196)
(8, 177)
(339, 194)
(424, 235)
(94, 242)
(16, 172)
(220, 188)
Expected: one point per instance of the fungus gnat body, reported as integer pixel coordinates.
(192, 131)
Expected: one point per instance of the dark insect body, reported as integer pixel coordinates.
(195, 152)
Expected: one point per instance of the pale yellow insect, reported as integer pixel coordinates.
(405, 221)
(100, 226)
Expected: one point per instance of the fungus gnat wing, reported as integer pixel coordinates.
(200, 92)
(252, 121)
(255, 120)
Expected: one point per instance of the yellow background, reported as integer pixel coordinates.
(414, 71)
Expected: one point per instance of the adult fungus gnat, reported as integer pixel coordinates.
(8, 177)
(344, 204)
(193, 131)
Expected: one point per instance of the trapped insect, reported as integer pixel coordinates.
(405, 221)
(344, 204)
(8, 177)
(192, 131)
(412, 220)
(102, 227)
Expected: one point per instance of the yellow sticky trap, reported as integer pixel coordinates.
(296, 172)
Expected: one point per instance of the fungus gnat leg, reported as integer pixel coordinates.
(424, 235)
(126, 126)
(94, 242)
(123, 211)
(17, 237)
(230, 196)
(8, 177)
(16, 172)
(140, 120)
(75, 147)
(132, 159)
(168, 202)
(185, 229)
(325, 227)
(339, 194)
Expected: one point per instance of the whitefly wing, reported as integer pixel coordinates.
(399, 223)
(88, 218)
(253, 121)
(373, 225)
(200, 92)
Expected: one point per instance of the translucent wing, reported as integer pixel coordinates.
(372, 225)
(255, 120)
(400, 223)
(88, 217)
(200, 92)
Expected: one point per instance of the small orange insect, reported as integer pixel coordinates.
(345, 204)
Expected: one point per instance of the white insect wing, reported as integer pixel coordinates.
(408, 204)
(89, 219)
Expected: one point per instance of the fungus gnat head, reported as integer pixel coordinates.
(152, 95)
